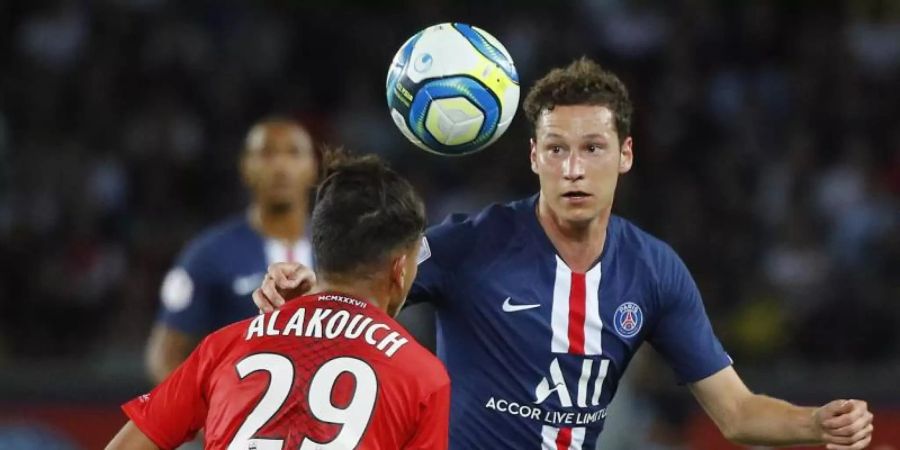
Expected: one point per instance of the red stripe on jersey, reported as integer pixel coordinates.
(576, 314)
(564, 439)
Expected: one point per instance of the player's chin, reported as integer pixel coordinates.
(578, 204)
(580, 214)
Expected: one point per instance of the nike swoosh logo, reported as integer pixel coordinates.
(509, 307)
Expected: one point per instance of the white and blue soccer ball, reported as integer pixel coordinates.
(452, 89)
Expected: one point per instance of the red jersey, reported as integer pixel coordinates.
(325, 372)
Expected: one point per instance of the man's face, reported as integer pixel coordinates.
(577, 156)
(279, 165)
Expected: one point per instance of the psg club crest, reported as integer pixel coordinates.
(628, 319)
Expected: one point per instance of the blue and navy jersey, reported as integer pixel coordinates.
(535, 351)
(212, 281)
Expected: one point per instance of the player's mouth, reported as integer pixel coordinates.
(576, 196)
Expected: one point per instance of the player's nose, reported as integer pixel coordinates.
(573, 167)
(280, 163)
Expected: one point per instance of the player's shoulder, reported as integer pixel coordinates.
(243, 336)
(490, 219)
(488, 229)
(415, 362)
(412, 363)
(635, 238)
(633, 242)
(218, 237)
(430, 364)
(240, 331)
(218, 344)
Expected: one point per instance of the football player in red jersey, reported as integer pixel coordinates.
(332, 370)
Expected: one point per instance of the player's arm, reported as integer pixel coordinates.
(285, 281)
(754, 419)
(433, 428)
(445, 245)
(185, 315)
(130, 437)
(172, 412)
(685, 338)
(166, 349)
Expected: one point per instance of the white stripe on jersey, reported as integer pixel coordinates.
(548, 437)
(577, 438)
(559, 320)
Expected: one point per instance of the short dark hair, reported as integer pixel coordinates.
(583, 82)
(364, 212)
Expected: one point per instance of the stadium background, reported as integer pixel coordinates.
(767, 153)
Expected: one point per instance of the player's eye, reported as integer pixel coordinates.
(555, 149)
(594, 148)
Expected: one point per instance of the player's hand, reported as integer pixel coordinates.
(845, 424)
(283, 281)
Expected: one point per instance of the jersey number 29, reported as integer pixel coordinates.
(353, 418)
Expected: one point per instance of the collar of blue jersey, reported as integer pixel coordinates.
(247, 223)
(527, 208)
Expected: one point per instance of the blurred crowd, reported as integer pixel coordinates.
(767, 143)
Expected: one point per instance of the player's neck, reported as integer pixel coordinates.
(578, 244)
(287, 224)
(360, 290)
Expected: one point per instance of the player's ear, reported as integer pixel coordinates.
(398, 271)
(398, 288)
(533, 155)
(626, 156)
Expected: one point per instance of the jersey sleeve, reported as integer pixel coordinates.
(427, 286)
(187, 291)
(683, 334)
(442, 249)
(174, 411)
(433, 428)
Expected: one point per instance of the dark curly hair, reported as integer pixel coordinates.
(364, 211)
(583, 82)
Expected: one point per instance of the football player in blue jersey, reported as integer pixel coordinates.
(541, 303)
(211, 282)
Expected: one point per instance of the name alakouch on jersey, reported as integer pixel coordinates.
(326, 323)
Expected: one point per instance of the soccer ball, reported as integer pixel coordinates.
(452, 89)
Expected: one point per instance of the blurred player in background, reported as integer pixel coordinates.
(541, 303)
(210, 285)
(333, 369)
